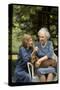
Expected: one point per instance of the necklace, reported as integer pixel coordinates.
(43, 45)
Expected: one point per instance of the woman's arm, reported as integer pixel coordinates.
(50, 50)
(40, 60)
(24, 55)
(34, 51)
(48, 54)
(43, 58)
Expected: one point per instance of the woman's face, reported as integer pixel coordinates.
(30, 42)
(42, 37)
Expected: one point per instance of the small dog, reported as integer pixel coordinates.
(46, 63)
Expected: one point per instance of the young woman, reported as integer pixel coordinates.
(45, 52)
(21, 71)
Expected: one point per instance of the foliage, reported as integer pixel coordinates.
(29, 19)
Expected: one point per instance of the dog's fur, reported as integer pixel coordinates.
(46, 63)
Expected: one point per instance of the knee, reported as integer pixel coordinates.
(50, 74)
(50, 77)
(42, 78)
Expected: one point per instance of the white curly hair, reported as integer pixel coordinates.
(46, 32)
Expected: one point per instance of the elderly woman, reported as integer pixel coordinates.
(21, 71)
(44, 53)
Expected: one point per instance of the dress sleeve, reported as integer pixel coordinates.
(50, 50)
(24, 55)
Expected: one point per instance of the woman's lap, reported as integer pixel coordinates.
(41, 71)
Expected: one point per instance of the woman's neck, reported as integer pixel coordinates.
(44, 44)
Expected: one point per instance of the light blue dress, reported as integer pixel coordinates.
(46, 50)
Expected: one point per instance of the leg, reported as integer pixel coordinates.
(22, 76)
(42, 71)
(50, 77)
(43, 78)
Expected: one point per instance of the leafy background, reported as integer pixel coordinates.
(29, 19)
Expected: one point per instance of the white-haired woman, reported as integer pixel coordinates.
(44, 53)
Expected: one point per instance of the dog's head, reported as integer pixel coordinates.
(34, 58)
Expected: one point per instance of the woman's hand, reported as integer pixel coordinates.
(37, 64)
(35, 49)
